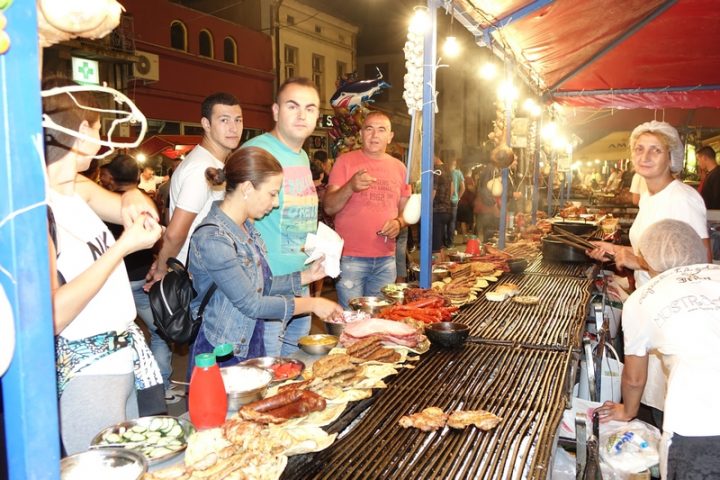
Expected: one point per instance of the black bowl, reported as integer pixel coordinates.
(447, 334)
(517, 265)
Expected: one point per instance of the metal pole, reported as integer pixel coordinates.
(536, 172)
(428, 147)
(505, 171)
(29, 388)
(550, 183)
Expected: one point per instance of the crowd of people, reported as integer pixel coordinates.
(238, 217)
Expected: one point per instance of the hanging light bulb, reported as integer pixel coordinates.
(488, 71)
(420, 21)
(549, 130)
(507, 91)
(451, 47)
(141, 158)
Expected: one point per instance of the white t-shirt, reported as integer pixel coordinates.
(677, 201)
(638, 184)
(677, 313)
(190, 190)
(81, 239)
(150, 185)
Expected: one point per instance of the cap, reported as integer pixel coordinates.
(677, 150)
(223, 351)
(204, 360)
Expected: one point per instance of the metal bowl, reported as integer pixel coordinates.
(272, 364)
(517, 265)
(447, 334)
(239, 391)
(371, 305)
(396, 291)
(336, 326)
(439, 271)
(318, 344)
(99, 463)
(99, 440)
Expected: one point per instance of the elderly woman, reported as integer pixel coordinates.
(227, 251)
(657, 153)
(676, 313)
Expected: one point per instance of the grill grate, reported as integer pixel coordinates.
(556, 321)
(539, 266)
(524, 386)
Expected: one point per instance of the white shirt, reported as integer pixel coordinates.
(679, 202)
(677, 313)
(190, 190)
(150, 185)
(81, 239)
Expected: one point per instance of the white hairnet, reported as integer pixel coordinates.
(671, 243)
(677, 150)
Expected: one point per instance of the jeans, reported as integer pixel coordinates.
(279, 343)
(159, 347)
(450, 240)
(364, 276)
(401, 252)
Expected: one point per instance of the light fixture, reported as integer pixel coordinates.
(549, 130)
(507, 91)
(532, 108)
(451, 47)
(488, 71)
(141, 158)
(419, 22)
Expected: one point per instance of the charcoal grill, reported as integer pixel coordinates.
(516, 366)
(524, 386)
(538, 266)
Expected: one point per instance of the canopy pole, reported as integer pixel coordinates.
(550, 184)
(428, 146)
(625, 91)
(29, 385)
(505, 171)
(536, 172)
(518, 14)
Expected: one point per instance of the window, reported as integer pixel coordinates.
(291, 55)
(178, 35)
(318, 29)
(290, 20)
(341, 69)
(205, 44)
(318, 68)
(229, 50)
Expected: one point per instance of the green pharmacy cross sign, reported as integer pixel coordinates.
(85, 72)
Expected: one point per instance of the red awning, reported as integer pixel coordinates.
(170, 146)
(609, 53)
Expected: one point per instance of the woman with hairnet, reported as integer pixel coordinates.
(657, 153)
(676, 313)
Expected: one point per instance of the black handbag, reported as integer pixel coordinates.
(170, 304)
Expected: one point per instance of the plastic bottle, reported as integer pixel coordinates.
(223, 354)
(473, 246)
(631, 438)
(207, 398)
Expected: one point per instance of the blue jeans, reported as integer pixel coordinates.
(364, 276)
(279, 343)
(401, 253)
(159, 347)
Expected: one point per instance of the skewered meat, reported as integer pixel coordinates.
(480, 418)
(429, 420)
(389, 331)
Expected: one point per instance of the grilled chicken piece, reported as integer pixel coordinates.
(429, 420)
(480, 418)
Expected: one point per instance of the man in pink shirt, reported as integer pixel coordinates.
(367, 193)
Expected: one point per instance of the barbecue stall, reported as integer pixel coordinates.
(517, 363)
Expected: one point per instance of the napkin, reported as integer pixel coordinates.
(325, 242)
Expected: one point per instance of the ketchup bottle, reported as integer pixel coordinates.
(207, 398)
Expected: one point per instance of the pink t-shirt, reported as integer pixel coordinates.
(366, 212)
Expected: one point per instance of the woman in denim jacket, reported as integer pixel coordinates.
(227, 250)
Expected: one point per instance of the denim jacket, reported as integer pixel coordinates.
(223, 253)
